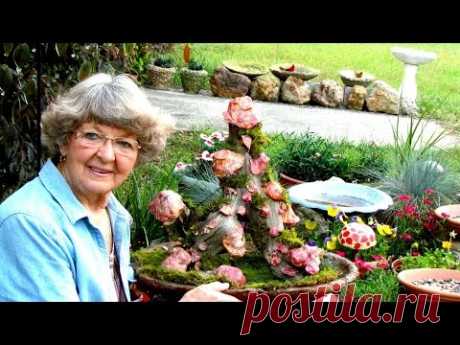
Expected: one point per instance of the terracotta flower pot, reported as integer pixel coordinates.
(289, 181)
(160, 77)
(409, 277)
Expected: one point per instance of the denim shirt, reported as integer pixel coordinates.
(50, 250)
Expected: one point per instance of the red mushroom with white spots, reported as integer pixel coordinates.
(357, 236)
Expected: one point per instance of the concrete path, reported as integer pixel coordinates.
(199, 111)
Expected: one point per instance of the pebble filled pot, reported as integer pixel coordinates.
(444, 282)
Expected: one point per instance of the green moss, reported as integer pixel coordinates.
(203, 210)
(209, 262)
(325, 275)
(149, 262)
(259, 199)
(290, 238)
(254, 267)
(259, 139)
(270, 174)
(236, 181)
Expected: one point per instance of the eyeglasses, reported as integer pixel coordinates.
(124, 146)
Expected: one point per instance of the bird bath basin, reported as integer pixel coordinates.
(413, 56)
(349, 197)
(352, 78)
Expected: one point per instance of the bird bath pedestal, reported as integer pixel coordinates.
(408, 90)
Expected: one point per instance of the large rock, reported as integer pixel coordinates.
(382, 98)
(295, 90)
(266, 88)
(354, 97)
(228, 84)
(328, 93)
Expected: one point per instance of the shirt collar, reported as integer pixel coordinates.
(58, 187)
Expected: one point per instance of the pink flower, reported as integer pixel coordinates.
(274, 191)
(410, 210)
(240, 113)
(363, 266)
(167, 206)
(247, 197)
(181, 166)
(429, 191)
(274, 231)
(232, 274)
(259, 164)
(404, 197)
(217, 135)
(205, 155)
(282, 248)
(427, 202)
(341, 253)
(241, 210)
(226, 162)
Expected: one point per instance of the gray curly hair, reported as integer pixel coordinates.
(109, 100)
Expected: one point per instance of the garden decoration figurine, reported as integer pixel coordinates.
(238, 211)
(408, 90)
(357, 236)
(254, 196)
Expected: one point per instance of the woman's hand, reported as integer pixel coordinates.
(209, 293)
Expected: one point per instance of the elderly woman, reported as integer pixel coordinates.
(64, 236)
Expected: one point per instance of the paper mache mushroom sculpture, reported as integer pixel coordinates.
(357, 236)
(254, 203)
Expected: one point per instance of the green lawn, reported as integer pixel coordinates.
(438, 82)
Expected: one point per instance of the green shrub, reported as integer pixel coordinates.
(164, 62)
(309, 157)
(437, 258)
(194, 65)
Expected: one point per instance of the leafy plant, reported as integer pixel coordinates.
(194, 65)
(164, 62)
(436, 258)
(309, 157)
(414, 144)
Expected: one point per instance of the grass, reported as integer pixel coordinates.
(438, 82)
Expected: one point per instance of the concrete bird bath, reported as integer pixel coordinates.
(408, 90)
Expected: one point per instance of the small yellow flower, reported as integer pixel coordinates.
(359, 220)
(414, 245)
(384, 229)
(332, 243)
(332, 211)
(447, 245)
(310, 224)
